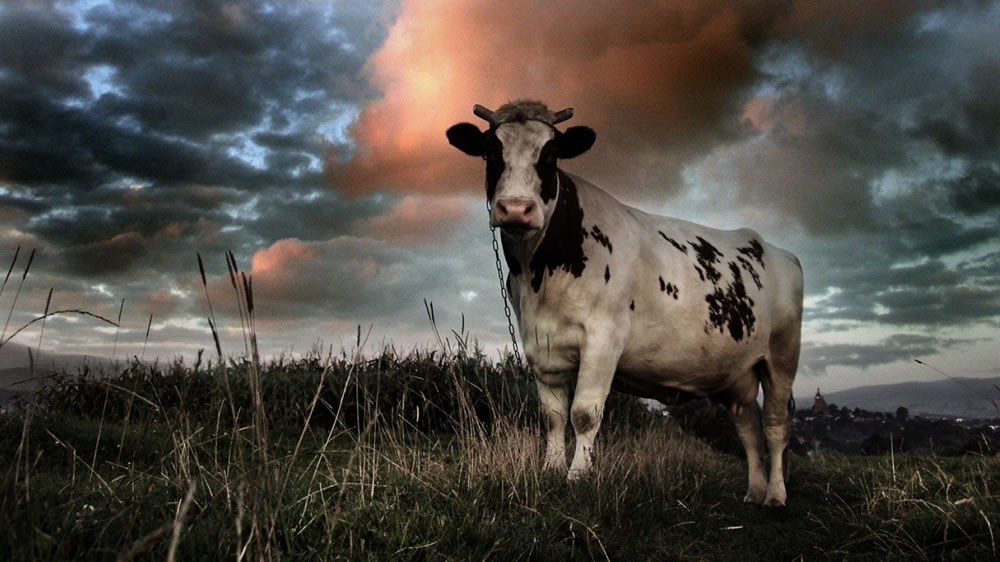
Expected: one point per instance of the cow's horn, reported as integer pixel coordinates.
(484, 113)
(563, 115)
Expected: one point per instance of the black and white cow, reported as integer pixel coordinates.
(609, 296)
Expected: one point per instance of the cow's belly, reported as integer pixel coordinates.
(656, 363)
(696, 362)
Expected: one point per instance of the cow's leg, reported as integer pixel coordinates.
(747, 421)
(593, 383)
(554, 401)
(777, 386)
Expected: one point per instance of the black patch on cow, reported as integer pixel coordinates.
(493, 153)
(607, 273)
(748, 267)
(672, 290)
(701, 273)
(513, 265)
(674, 243)
(707, 256)
(669, 288)
(631, 305)
(582, 420)
(547, 171)
(755, 251)
(732, 308)
(562, 246)
(601, 238)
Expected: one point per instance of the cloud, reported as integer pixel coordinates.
(124, 91)
(646, 75)
(308, 138)
(346, 277)
(817, 357)
(418, 220)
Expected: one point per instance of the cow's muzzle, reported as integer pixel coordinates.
(516, 216)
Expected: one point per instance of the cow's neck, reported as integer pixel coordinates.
(557, 246)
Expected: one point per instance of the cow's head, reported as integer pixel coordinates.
(521, 148)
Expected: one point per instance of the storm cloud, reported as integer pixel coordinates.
(308, 138)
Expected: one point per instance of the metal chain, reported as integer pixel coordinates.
(503, 288)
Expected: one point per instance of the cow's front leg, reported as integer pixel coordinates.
(554, 399)
(597, 368)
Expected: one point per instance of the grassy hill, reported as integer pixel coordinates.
(431, 456)
(958, 397)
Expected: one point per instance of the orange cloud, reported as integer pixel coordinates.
(417, 219)
(280, 256)
(661, 81)
(646, 75)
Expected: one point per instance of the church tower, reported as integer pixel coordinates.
(819, 405)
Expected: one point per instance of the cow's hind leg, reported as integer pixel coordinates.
(554, 399)
(776, 381)
(747, 421)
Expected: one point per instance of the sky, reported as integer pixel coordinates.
(307, 137)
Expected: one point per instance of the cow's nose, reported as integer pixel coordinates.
(515, 212)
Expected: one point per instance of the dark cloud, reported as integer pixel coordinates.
(134, 130)
(307, 137)
(817, 357)
(132, 91)
(978, 191)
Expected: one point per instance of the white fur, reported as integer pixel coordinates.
(582, 328)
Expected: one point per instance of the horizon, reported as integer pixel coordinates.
(308, 139)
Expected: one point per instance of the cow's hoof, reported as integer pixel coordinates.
(774, 502)
(752, 499)
(576, 475)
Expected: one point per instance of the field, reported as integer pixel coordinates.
(430, 455)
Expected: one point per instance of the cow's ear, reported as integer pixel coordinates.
(467, 138)
(575, 141)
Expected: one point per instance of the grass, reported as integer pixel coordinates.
(427, 455)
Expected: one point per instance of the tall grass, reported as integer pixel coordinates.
(429, 453)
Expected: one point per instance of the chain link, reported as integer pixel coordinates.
(503, 288)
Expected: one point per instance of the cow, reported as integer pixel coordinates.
(608, 296)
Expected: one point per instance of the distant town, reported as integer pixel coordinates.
(823, 427)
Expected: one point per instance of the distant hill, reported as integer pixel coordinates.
(16, 374)
(961, 397)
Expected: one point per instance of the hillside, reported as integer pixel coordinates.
(961, 397)
(18, 375)
(429, 456)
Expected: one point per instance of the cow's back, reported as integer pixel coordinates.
(700, 304)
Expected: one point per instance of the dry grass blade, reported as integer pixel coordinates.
(248, 291)
(234, 272)
(212, 322)
(118, 326)
(201, 269)
(178, 523)
(204, 283)
(146, 339)
(48, 301)
(215, 338)
(55, 313)
(17, 293)
(31, 258)
(10, 269)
